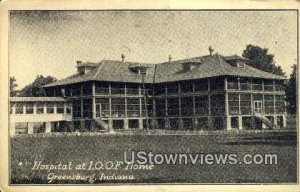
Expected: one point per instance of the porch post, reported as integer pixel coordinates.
(12, 128)
(48, 127)
(94, 100)
(30, 128)
(228, 123)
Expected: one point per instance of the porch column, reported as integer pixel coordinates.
(30, 128)
(126, 127)
(48, 127)
(12, 128)
(141, 125)
(240, 122)
(110, 125)
(240, 119)
(228, 120)
(228, 123)
(284, 120)
(94, 100)
(275, 120)
(179, 103)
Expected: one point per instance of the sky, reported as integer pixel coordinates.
(50, 42)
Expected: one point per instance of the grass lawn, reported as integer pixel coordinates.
(83, 149)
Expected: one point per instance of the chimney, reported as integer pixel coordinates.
(79, 62)
(211, 50)
(122, 57)
(170, 58)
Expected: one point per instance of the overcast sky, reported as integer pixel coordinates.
(49, 43)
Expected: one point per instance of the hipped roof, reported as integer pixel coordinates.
(211, 66)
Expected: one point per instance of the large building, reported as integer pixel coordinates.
(211, 92)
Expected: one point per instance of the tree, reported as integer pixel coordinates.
(290, 91)
(35, 89)
(12, 86)
(260, 59)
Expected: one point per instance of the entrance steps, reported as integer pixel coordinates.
(103, 125)
(265, 121)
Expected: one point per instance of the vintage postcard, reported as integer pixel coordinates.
(123, 95)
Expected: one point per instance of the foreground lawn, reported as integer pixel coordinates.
(83, 149)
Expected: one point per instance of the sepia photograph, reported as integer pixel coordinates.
(158, 96)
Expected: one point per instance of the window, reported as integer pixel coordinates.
(187, 106)
(19, 108)
(132, 89)
(117, 89)
(245, 104)
(201, 105)
(159, 89)
(133, 123)
(102, 107)
(268, 85)
(77, 108)
(245, 84)
(149, 105)
(232, 83)
(76, 90)
(172, 88)
(133, 107)
(118, 107)
(279, 86)
(118, 124)
(269, 104)
(11, 108)
(40, 108)
(279, 104)
(160, 106)
(216, 84)
(257, 85)
(234, 122)
(217, 105)
(87, 108)
(29, 108)
(186, 87)
(67, 91)
(201, 85)
(101, 88)
(233, 104)
(21, 128)
(60, 108)
(258, 106)
(187, 123)
(50, 108)
(87, 89)
(68, 109)
(173, 107)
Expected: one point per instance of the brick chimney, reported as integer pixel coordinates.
(170, 58)
(79, 62)
(122, 57)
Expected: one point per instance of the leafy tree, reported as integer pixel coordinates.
(12, 87)
(35, 89)
(291, 92)
(260, 59)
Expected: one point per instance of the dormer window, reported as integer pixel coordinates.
(139, 69)
(83, 68)
(236, 61)
(190, 66)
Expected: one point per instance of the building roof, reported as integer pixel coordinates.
(234, 57)
(210, 66)
(37, 99)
